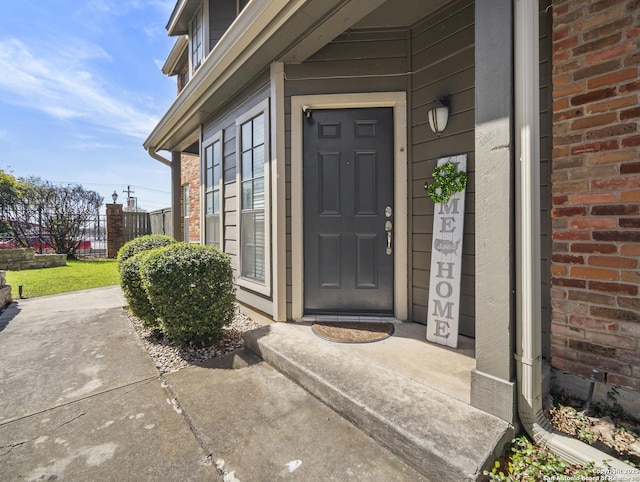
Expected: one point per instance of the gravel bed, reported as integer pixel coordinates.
(168, 357)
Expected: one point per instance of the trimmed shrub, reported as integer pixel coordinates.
(143, 243)
(191, 290)
(130, 280)
(134, 291)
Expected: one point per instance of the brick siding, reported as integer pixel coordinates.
(190, 174)
(115, 229)
(595, 293)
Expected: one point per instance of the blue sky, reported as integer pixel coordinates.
(80, 90)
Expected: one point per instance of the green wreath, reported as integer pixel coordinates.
(447, 182)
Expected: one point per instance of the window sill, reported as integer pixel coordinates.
(262, 288)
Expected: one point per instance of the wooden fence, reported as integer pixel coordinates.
(161, 222)
(123, 226)
(135, 224)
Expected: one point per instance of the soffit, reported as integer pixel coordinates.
(328, 25)
(181, 16)
(400, 13)
(177, 57)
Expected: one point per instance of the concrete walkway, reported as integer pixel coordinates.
(81, 400)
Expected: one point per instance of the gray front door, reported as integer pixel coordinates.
(348, 207)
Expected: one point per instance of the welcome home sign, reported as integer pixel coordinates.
(443, 315)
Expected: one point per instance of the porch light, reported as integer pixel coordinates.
(114, 196)
(439, 115)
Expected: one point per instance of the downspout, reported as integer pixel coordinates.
(528, 310)
(153, 153)
(175, 165)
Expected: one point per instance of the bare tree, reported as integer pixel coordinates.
(16, 207)
(55, 215)
(70, 212)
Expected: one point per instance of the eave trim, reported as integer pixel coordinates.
(170, 66)
(250, 30)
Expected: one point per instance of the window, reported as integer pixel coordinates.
(212, 193)
(252, 157)
(253, 150)
(197, 41)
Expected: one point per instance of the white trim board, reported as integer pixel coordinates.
(278, 194)
(396, 100)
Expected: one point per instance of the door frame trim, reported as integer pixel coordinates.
(395, 100)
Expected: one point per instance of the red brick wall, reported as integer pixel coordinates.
(181, 79)
(596, 189)
(191, 175)
(115, 233)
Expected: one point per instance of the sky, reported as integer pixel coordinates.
(81, 88)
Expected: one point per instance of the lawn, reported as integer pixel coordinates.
(77, 275)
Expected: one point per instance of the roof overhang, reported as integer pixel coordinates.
(181, 16)
(264, 32)
(171, 66)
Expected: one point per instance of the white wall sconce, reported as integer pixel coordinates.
(439, 115)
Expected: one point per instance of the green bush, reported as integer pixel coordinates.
(143, 243)
(191, 290)
(129, 257)
(134, 291)
(531, 462)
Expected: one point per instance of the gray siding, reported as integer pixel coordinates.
(222, 13)
(376, 59)
(442, 53)
(229, 150)
(357, 61)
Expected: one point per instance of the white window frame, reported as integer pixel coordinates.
(262, 288)
(209, 141)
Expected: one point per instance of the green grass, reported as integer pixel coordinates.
(77, 275)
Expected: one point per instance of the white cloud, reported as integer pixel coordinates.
(111, 6)
(92, 146)
(155, 13)
(163, 5)
(61, 83)
(154, 32)
(122, 7)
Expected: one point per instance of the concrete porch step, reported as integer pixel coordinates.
(444, 438)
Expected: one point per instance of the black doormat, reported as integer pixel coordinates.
(353, 331)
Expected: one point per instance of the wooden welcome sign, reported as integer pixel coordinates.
(447, 191)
